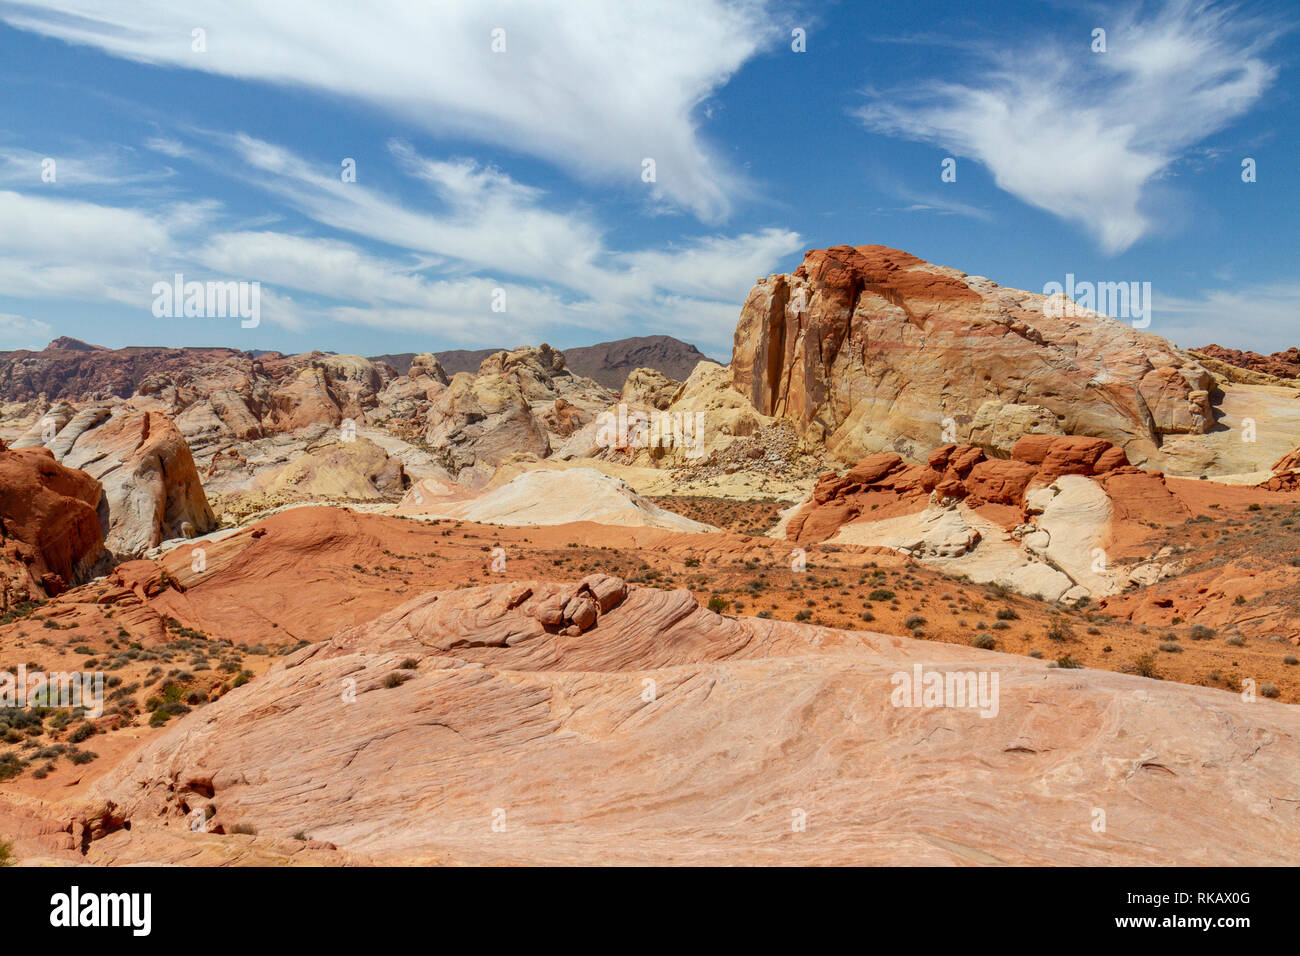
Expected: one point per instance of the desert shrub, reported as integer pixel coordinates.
(1200, 632)
(803, 616)
(1068, 662)
(1144, 666)
(396, 679)
(1036, 654)
(718, 604)
(984, 641)
(1268, 690)
(1290, 659)
(867, 616)
(913, 621)
(6, 853)
(881, 594)
(1235, 640)
(81, 732)
(1008, 614)
(1059, 631)
(409, 664)
(245, 828)
(1171, 647)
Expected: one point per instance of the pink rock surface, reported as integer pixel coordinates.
(665, 733)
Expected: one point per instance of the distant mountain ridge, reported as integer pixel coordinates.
(606, 362)
(70, 369)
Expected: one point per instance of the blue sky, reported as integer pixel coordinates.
(522, 169)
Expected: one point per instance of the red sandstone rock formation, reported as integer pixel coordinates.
(50, 532)
(1285, 364)
(1286, 473)
(874, 350)
(961, 472)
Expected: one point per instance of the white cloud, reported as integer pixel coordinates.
(489, 221)
(25, 168)
(486, 232)
(716, 267)
(18, 332)
(590, 86)
(544, 251)
(168, 147)
(1081, 134)
(1265, 317)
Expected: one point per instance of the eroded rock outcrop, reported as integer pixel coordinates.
(50, 535)
(1286, 473)
(151, 487)
(872, 349)
(958, 472)
(525, 401)
(1284, 364)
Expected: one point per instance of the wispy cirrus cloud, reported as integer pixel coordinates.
(1266, 314)
(590, 86)
(1082, 134)
(20, 332)
(436, 268)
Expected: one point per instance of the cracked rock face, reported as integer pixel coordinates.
(874, 350)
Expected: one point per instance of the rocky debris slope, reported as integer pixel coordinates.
(872, 349)
(698, 429)
(539, 722)
(50, 534)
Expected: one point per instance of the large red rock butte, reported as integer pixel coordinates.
(872, 349)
